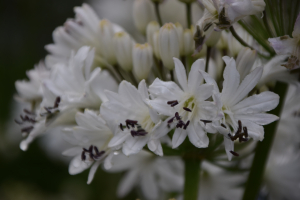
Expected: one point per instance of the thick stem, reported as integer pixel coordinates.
(207, 58)
(263, 148)
(156, 5)
(189, 14)
(192, 178)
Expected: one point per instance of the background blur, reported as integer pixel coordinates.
(26, 26)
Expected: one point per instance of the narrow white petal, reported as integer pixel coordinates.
(72, 151)
(258, 118)
(161, 106)
(149, 186)
(181, 74)
(178, 137)
(255, 131)
(246, 86)
(127, 183)
(77, 165)
(262, 102)
(118, 139)
(203, 92)
(134, 145)
(142, 88)
(197, 135)
(93, 171)
(209, 80)
(229, 146)
(195, 79)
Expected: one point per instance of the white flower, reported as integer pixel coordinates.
(82, 31)
(245, 115)
(224, 13)
(138, 123)
(285, 45)
(152, 27)
(154, 175)
(77, 84)
(90, 138)
(32, 90)
(188, 42)
(186, 103)
(169, 45)
(142, 57)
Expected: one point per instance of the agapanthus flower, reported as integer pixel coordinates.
(185, 105)
(285, 45)
(155, 176)
(138, 124)
(241, 116)
(90, 137)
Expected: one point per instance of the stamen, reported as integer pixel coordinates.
(171, 120)
(205, 121)
(186, 125)
(83, 157)
(234, 153)
(171, 102)
(121, 127)
(141, 132)
(245, 131)
(240, 126)
(223, 125)
(187, 109)
(130, 122)
(177, 116)
(174, 104)
(56, 103)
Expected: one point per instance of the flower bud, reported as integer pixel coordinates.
(151, 29)
(142, 57)
(180, 36)
(106, 41)
(168, 45)
(123, 45)
(156, 45)
(213, 37)
(142, 14)
(188, 42)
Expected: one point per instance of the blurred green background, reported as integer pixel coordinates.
(26, 26)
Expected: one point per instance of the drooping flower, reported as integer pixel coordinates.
(186, 105)
(241, 116)
(285, 45)
(138, 124)
(90, 139)
(155, 176)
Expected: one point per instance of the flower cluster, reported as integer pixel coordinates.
(121, 103)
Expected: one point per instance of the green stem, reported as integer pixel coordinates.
(192, 178)
(172, 75)
(267, 26)
(189, 14)
(156, 5)
(207, 58)
(263, 148)
(132, 77)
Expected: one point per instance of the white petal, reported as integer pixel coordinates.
(283, 45)
(108, 161)
(142, 88)
(72, 151)
(161, 106)
(93, 171)
(134, 145)
(77, 165)
(181, 74)
(255, 131)
(178, 137)
(197, 135)
(166, 90)
(229, 146)
(203, 92)
(130, 93)
(127, 183)
(209, 80)
(258, 118)
(231, 80)
(195, 79)
(262, 102)
(245, 61)
(296, 32)
(118, 139)
(149, 186)
(246, 86)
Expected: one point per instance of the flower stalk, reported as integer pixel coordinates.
(189, 14)
(263, 148)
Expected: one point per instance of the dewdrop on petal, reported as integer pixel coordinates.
(168, 45)
(188, 42)
(106, 40)
(155, 39)
(152, 27)
(142, 14)
(179, 29)
(142, 57)
(123, 45)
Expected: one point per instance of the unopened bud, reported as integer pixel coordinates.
(156, 45)
(188, 42)
(151, 29)
(142, 14)
(213, 37)
(142, 57)
(180, 36)
(106, 40)
(123, 45)
(168, 45)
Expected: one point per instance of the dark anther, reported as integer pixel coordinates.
(130, 122)
(186, 125)
(18, 122)
(98, 155)
(141, 132)
(223, 125)
(28, 112)
(205, 121)
(91, 148)
(83, 157)
(96, 150)
(174, 104)
(234, 153)
(171, 120)
(240, 126)
(245, 131)
(121, 127)
(171, 102)
(187, 109)
(27, 129)
(177, 116)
